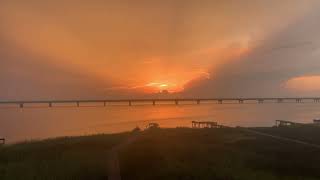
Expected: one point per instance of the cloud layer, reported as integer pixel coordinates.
(271, 63)
(94, 49)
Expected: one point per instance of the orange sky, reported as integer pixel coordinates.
(144, 45)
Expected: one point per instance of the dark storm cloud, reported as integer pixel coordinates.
(293, 52)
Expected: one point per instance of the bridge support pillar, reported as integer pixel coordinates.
(130, 103)
(220, 101)
(198, 101)
(78, 104)
(50, 104)
(316, 100)
(241, 101)
(177, 102)
(260, 101)
(104, 103)
(154, 103)
(21, 105)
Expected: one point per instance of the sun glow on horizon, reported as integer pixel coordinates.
(155, 87)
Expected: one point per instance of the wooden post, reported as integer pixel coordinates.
(21, 105)
(130, 103)
(177, 102)
(198, 101)
(154, 102)
(78, 104)
(50, 104)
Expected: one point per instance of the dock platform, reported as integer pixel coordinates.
(205, 124)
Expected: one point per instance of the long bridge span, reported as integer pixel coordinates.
(176, 101)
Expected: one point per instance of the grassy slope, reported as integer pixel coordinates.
(62, 158)
(167, 154)
(216, 154)
(307, 133)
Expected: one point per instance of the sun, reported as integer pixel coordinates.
(164, 86)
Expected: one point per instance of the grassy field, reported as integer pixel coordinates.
(63, 158)
(180, 153)
(306, 133)
(217, 154)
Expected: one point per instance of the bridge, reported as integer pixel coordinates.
(176, 101)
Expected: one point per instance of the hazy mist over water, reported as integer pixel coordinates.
(43, 122)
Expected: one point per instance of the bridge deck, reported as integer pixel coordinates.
(154, 101)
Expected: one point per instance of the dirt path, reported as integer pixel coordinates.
(282, 138)
(113, 164)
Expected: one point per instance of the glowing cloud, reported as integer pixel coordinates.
(304, 84)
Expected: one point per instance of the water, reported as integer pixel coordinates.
(43, 122)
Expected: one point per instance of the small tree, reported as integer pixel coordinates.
(136, 129)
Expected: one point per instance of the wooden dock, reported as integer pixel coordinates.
(205, 124)
(283, 123)
(316, 121)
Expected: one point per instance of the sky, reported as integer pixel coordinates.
(66, 49)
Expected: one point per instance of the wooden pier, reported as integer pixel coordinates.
(283, 123)
(316, 121)
(205, 124)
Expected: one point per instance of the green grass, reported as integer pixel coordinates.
(307, 133)
(217, 154)
(61, 159)
(182, 153)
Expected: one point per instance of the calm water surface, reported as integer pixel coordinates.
(42, 122)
